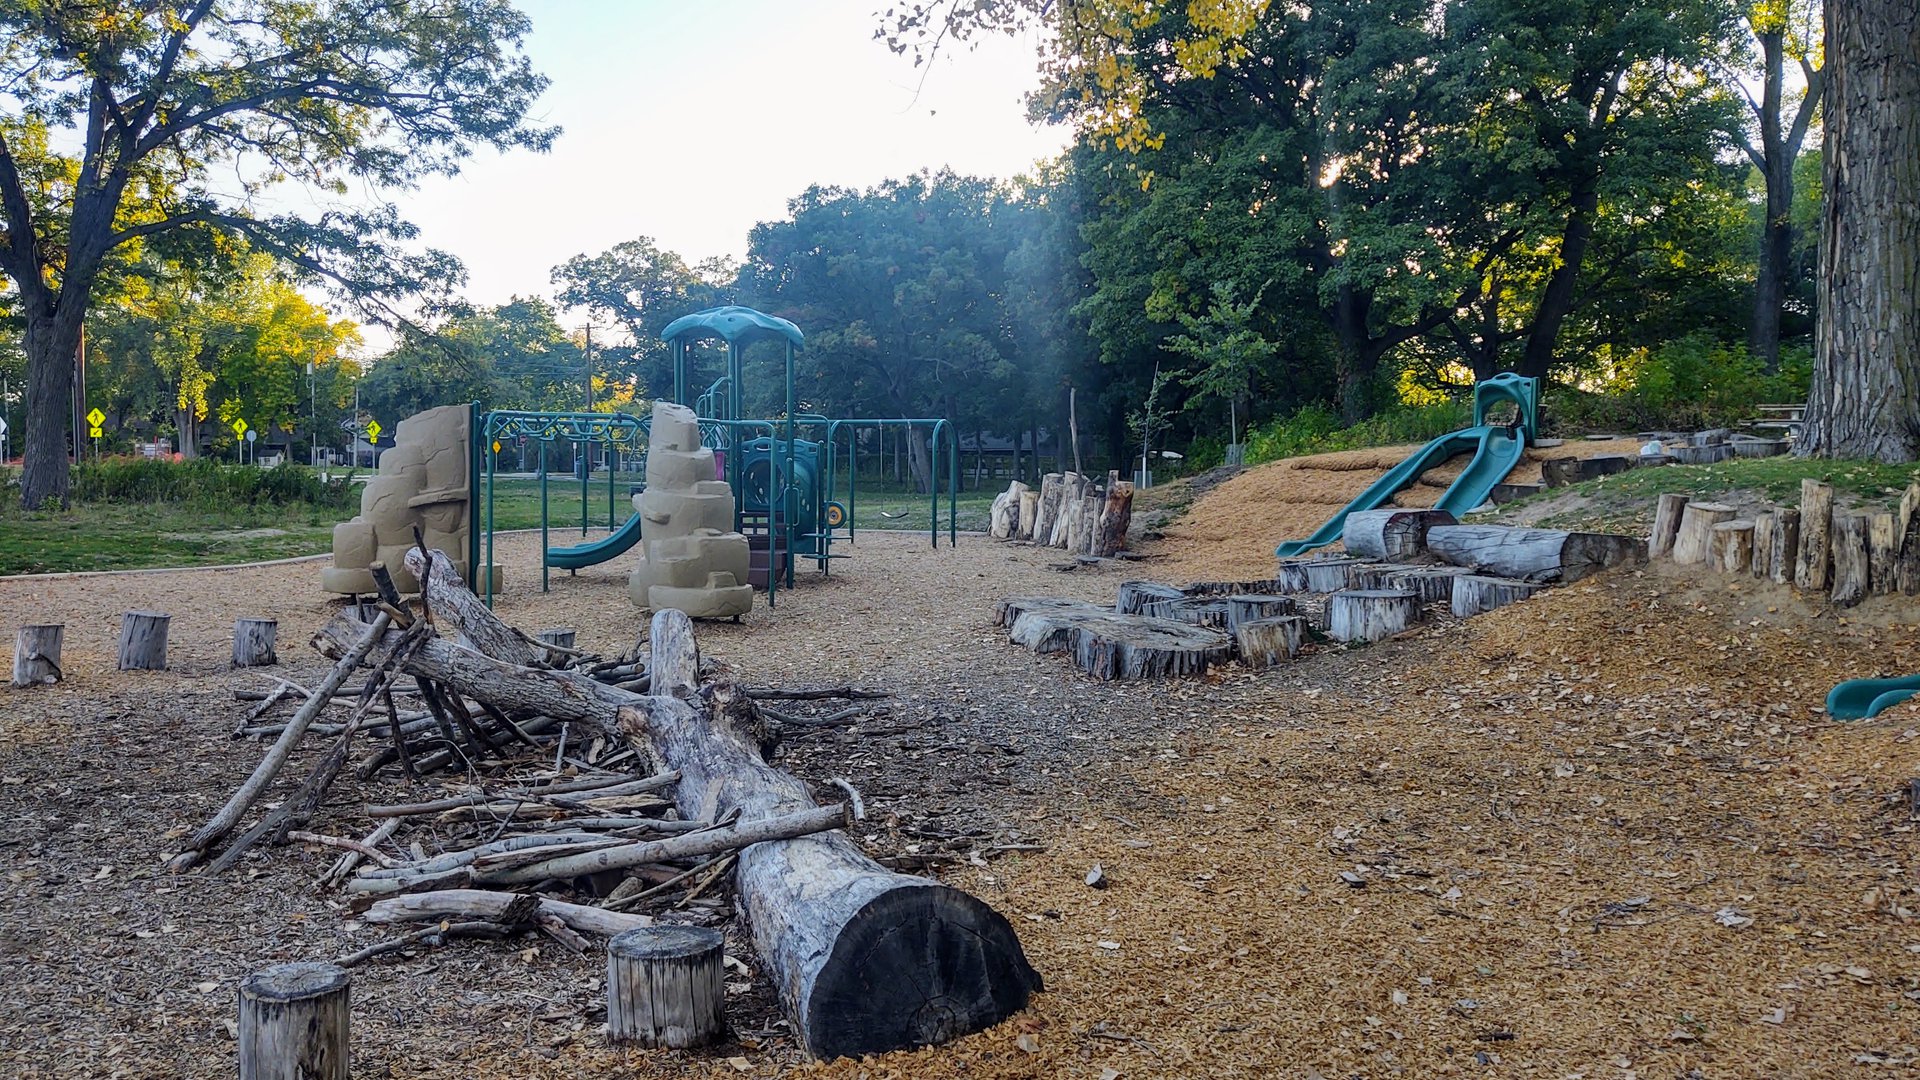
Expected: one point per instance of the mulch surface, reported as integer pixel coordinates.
(1607, 832)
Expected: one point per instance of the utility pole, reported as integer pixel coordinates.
(313, 418)
(589, 383)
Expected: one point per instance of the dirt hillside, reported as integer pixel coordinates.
(1231, 530)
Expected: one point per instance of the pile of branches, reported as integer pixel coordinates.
(519, 807)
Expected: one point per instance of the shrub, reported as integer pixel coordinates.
(1315, 429)
(1694, 382)
(207, 483)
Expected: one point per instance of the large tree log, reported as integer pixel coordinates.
(1814, 570)
(450, 601)
(865, 960)
(1395, 535)
(1048, 508)
(1666, 525)
(1534, 554)
(36, 654)
(1694, 542)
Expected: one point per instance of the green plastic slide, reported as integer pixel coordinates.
(1860, 699)
(615, 544)
(1496, 450)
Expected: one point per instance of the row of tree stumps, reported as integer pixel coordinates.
(1844, 555)
(142, 646)
(1068, 511)
(1398, 563)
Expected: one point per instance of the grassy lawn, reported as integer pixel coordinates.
(1624, 502)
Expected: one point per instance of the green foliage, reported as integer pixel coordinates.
(1316, 429)
(1693, 382)
(205, 483)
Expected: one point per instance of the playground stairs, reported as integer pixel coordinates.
(766, 546)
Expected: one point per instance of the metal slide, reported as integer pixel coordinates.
(1496, 450)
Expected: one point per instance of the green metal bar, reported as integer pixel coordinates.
(544, 569)
(933, 486)
(492, 465)
(610, 459)
(583, 453)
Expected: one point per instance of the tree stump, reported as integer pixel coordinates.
(1666, 525)
(1108, 645)
(1370, 614)
(1535, 554)
(143, 641)
(1694, 542)
(1291, 576)
(253, 642)
(1731, 548)
(1883, 553)
(1784, 550)
(1393, 535)
(1429, 584)
(1266, 587)
(1763, 526)
(1133, 597)
(1851, 566)
(1560, 472)
(1192, 610)
(1907, 563)
(1266, 642)
(1245, 609)
(1047, 509)
(36, 654)
(1073, 487)
(1116, 516)
(562, 636)
(666, 986)
(1328, 575)
(1029, 509)
(294, 1023)
(1004, 517)
(1814, 569)
(1474, 594)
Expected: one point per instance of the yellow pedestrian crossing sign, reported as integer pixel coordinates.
(239, 427)
(373, 431)
(95, 418)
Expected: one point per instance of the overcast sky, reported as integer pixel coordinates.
(691, 120)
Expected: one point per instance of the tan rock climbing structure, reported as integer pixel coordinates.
(691, 558)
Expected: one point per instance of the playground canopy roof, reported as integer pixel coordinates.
(734, 325)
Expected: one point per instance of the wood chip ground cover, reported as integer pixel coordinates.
(1606, 832)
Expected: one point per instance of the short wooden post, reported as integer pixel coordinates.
(293, 1023)
(1666, 525)
(36, 654)
(1814, 570)
(143, 641)
(1266, 642)
(253, 642)
(1883, 552)
(1731, 549)
(1370, 614)
(1785, 550)
(1246, 609)
(1763, 525)
(1474, 593)
(665, 986)
(1850, 565)
(1694, 542)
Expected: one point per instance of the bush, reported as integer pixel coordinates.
(1315, 429)
(1692, 383)
(207, 483)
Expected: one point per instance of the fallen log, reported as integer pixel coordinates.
(493, 906)
(1534, 554)
(865, 960)
(1395, 535)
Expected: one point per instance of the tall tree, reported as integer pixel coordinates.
(641, 287)
(155, 96)
(1865, 399)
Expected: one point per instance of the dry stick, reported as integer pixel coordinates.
(784, 827)
(300, 805)
(432, 935)
(812, 693)
(859, 807)
(344, 844)
(705, 883)
(599, 784)
(492, 906)
(351, 860)
(632, 900)
(229, 815)
(400, 749)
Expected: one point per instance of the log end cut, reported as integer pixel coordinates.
(914, 967)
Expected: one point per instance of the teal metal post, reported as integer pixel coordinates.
(492, 465)
(583, 452)
(544, 569)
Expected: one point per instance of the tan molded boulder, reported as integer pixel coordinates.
(423, 481)
(691, 558)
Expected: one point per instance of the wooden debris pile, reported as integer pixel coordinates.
(1069, 511)
(1415, 560)
(595, 796)
(1844, 555)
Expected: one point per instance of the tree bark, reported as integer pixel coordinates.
(1116, 516)
(1732, 547)
(36, 655)
(1865, 398)
(52, 342)
(294, 1021)
(1264, 643)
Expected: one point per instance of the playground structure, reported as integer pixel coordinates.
(1496, 449)
(693, 560)
(783, 473)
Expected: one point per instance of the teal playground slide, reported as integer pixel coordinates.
(618, 543)
(1496, 448)
(1859, 699)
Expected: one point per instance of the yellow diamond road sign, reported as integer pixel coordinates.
(95, 418)
(239, 426)
(373, 431)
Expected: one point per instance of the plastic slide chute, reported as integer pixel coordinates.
(1496, 449)
(1862, 699)
(613, 545)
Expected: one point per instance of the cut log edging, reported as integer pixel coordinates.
(1838, 554)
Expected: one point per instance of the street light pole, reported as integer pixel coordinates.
(313, 418)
